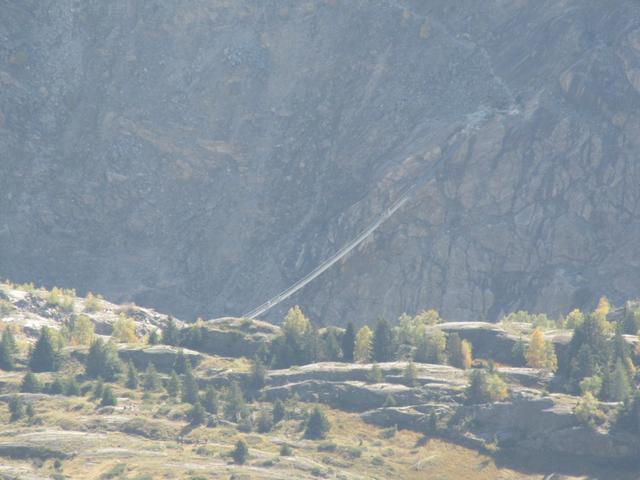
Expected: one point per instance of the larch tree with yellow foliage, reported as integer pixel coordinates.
(124, 330)
(603, 308)
(364, 345)
(574, 319)
(540, 353)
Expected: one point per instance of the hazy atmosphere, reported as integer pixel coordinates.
(347, 239)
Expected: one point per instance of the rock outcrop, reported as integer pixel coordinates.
(235, 337)
(528, 420)
(163, 357)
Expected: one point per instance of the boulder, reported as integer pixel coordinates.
(163, 357)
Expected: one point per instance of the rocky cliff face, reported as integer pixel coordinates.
(206, 154)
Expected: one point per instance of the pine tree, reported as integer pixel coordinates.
(103, 361)
(98, 389)
(180, 365)
(318, 425)
(108, 397)
(348, 343)
(265, 421)
(16, 408)
(9, 340)
(279, 411)
(30, 410)
(383, 350)
(6, 356)
(234, 407)
(171, 333)
(8, 348)
(210, 401)
(189, 388)
(44, 357)
(173, 385)
(617, 383)
(332, 349)
(240, 453)
(454, 350)
(197, 414)
(154, 338)
(30, 384)
(151, 378)
(132, 376)
(258, 375)
(410, 374)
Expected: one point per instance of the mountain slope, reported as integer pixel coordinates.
(204, 155)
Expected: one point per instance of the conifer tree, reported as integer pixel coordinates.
(189, 388)
(240, 453)
(108, 397)
(348, 343)
(318, 425)
(210, 402)
(197, 414)
(258, 375)
(9, 340)
(16, 408)
(44, 357)
(279, 411)
(180, 365)
(30, 384)
(151, 378)
(6, 356)
(617, 383)
(410, 374)
(454, 350)
(234, 407)
(98, 389)
(132, 376)
(171, 333)
(383, 350)
(332, 349)
(173, 385)
(103, 361)
(154, 338)
(265, 421)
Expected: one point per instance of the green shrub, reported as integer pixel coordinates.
(285, 450)
(240, 453)
(486, 386)
(327, 447)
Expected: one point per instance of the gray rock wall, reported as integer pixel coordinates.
(200, 156)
